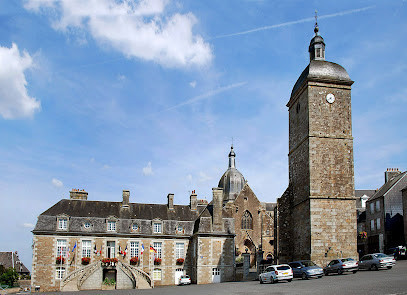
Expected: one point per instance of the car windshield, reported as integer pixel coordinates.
(308, 263)
(184, 277)
(283, 267)
(380, 255)
(347, 259)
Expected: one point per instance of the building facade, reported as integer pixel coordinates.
(81, 244)
(317, 213)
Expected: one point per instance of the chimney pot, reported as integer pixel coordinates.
(75, 194)
(193, 201)
(126, 198)
(170, 203)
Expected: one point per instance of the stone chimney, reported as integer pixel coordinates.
(390, 173)
(76, 194)
(170, 198)
(217, 209)
(126, 198)
(193, 201)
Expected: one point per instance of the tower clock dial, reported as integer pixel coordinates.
(330, 98)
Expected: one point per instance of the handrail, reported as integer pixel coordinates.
(141, 273)
(89, 271)
(129, 272)
(75, 273)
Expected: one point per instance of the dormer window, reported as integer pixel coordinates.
(62, 222)
(157, 227)
(86, 225)
(111, 225)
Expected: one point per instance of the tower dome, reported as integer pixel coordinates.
(232, 181)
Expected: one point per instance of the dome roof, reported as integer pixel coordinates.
(323, 71)
(232, 181)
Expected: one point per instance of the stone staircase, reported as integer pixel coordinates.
(141, 280)
(74, 280)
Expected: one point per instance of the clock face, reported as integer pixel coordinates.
(330, 98)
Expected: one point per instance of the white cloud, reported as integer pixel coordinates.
(203, 177)
(192, 84)
(57, 182)
(105, 167)
(148, 170)
(14, 100)
(28, 225)
(136, 29)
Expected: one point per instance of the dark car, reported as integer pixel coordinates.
(306, 269)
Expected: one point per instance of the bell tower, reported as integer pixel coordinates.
(322, 209)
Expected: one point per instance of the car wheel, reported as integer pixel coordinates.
(340, 271)
(374, 267)
(389, 267)
(326, 272)
(261, 281)
(304, 276)
(355, 271)
(289, 280)
(272, 280)
(319, 277)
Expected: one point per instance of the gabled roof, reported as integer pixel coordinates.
(387, 186)
(6, 259)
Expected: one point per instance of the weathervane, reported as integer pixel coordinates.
(316, 29)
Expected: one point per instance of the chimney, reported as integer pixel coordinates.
(170, 198)
(76, 194)
(193, 201)
(217, 209)
(390, 173)
(126, 198)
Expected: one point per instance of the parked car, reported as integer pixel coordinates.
(306, 269)
(184, 280)
(341, 265)
(376, 261)
(275, 273)
(398, 252)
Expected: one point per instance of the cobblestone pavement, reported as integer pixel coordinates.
(393, 281)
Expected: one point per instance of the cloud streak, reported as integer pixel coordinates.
(285, 24)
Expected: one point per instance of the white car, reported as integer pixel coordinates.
(275, 273)
(184, 280)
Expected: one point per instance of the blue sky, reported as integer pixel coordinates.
(110, 95)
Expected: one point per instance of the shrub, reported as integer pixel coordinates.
(157, 261)
(85, 260)
(180, 261)
(134, 260)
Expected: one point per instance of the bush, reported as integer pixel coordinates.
(85, 260)
(110, 282)
(9, 277)
(134, 260)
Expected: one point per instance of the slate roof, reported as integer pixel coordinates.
(387, 186)
(7, 261)
(270, 206)
(361, 192)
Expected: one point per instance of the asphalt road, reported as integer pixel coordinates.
(393, 281)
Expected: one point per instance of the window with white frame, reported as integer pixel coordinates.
(179, 250)
(62, 223)
(378, 223)
(61, 248)
(86, 225)
(157, 274)
(378, 205)
(157, 227)
(134, 249)
(180, 229)
(111, 225)
(86, 248)
(372, 207)
(134, 227)
(157, 246)
(60, 272)
(372, 224)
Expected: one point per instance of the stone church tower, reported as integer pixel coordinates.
(317, 214)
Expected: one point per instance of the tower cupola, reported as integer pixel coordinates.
(317, 45)
(232, 156)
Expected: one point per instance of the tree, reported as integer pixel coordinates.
(9, 277)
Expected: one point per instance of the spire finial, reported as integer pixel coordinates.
(316, 29)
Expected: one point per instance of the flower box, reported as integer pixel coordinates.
(157, 261)
(134, 260)
(85, 260)
(180, 261)
(60, 260)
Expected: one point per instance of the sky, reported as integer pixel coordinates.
(106, 95)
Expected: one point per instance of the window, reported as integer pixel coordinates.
(372, 224)
(378, 223)
(247, 221)
(60, 272)
(157, 227)
(180, 229)
(215, 271)
(111, 246)
(61, 248)
(134, 227)
(179, 250)
(371, 207)
(157, 246)
(63, 223)
(86, 248)
(134, 249)
(111, 226)
(378, 205)
(157, 274)
(86, 225)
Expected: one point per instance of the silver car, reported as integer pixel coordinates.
(341, 265)
(275, 273)
(306, 269)
(376, 261)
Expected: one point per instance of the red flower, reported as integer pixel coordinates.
(180, 261)
(85, 260)
(115, 260)
(106, 260)
(157, 261)
(134, 260)
(60, 260)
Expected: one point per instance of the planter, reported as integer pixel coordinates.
(85, 260)
(180, 261)
(157, 261)
(108, 287)
(134, 261)
(60, 260)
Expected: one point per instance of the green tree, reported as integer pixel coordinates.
(9, 277)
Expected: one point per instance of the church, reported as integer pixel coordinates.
(82, 244)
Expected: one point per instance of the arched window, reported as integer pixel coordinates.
(247, 220)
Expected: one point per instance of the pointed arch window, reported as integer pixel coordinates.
(247, 220)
